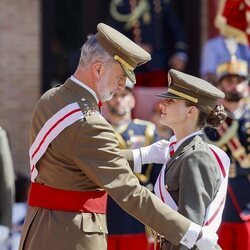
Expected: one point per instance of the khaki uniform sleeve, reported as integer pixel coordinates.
(128, 155)
(97, 153)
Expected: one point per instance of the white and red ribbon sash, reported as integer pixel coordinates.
(215, 209)
(162, 192)
(159, 187)
(50, 130)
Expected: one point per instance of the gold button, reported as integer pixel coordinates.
(100, 229)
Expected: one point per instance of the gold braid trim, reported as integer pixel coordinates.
(228, 138)
(122, 143)
(178, 93)
(130, 18)
(124, 63)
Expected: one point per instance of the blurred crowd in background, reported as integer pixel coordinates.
(163, 28)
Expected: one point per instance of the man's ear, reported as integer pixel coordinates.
(98, 70)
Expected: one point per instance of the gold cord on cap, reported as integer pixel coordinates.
(124, 63)
(188, 97)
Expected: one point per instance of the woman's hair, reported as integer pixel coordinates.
(92, 50)
(214, 119)
(217, 116)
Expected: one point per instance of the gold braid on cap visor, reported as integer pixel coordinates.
(188, 97)
(125, 64)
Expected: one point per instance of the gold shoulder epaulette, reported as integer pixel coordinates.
(149, 131)
(143, 122)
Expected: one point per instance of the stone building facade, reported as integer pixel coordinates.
(20, 71)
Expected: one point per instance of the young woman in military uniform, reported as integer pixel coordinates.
(194, 178)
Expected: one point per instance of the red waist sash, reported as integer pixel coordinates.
(67, 200)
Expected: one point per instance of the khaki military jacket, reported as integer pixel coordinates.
(86, 156)
(192, 178)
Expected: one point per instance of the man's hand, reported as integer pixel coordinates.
(208, 240)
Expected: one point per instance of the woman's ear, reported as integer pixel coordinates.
(98, 70)
(192, 110)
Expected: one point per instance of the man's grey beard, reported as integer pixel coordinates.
(232, 97)
(113, 111)
(108, 97)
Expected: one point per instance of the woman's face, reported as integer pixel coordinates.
(174, 112)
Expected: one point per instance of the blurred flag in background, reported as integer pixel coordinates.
(233, 20)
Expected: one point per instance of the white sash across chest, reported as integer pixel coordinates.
(214, 210)
(50, 130)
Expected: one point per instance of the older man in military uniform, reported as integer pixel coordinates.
(75, 158)
(233, 137)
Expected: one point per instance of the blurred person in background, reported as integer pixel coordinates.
(232, 21)
(125, 232)
(7, 189)
(22, 185)
(155, 26)
(218, 50)
(234, 138)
